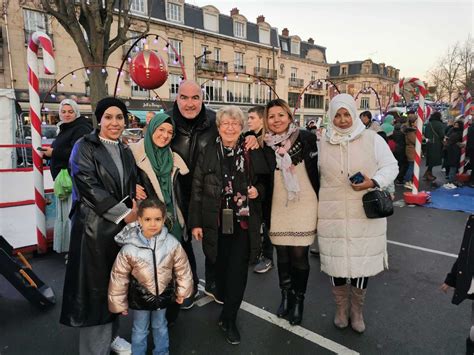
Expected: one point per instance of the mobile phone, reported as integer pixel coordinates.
(227, 221)
(41, 149)
(357, 178)
(127, 201)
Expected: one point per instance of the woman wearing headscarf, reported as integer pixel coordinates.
(387, 125)
(104, 177)
(434, 132)
(352, 247)
(71, 127)
(293, 188)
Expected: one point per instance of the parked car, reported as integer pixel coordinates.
(132, 135)
(24, 155)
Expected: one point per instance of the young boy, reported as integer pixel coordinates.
(150, 269)
(265, 261)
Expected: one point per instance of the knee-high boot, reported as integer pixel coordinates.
(287, 296)
(300, 281)
(342, 299)
(357, 305)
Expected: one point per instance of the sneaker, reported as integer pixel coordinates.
(263, 265)
(188, 303)
(121, 346)
(449, 186)
(314, 252)
(408, 185)
(232, 334)
(211, 291)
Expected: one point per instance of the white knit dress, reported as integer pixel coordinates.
(293, 223)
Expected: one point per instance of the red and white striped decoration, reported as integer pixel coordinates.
(419, 122)
(37, 39)
(466, 95)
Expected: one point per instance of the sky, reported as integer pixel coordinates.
(410, 35)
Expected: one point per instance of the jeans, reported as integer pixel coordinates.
(140, 330)
(452, 174)
(409, 174)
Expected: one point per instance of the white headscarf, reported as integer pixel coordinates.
(71, 103)
(336, 135)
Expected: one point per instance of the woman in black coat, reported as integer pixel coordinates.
(453, 150)
(72, 127)
(104, 177)
(224, 211)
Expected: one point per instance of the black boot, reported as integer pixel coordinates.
(300, 280)
(469, 346)
(286, 291)
(232, 335)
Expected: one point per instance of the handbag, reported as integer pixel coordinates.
(63, 185)
(377, 204)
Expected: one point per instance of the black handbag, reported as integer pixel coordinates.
(377, 204)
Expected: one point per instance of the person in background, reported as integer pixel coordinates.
(265, 258)
(453, 155)
(148, 246)
(461, 277)
(366, 118)
(399, 152)
(71, 127)
(148, 117)
(410, 151)
(292, 154)
(387, 125)
(470, 152)
(224, 209)
(434, 134)
(104, 182)
(352, 247)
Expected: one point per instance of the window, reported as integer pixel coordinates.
(217, 54)
(177, 45)
(364, 103)
(138, 6)
(174, 81)
(238, 60)
(239, 29)
(262, 93)
(313, 101)
(295, 47)
(35, 21)
(212, 89)
(344, 71)
(314, 75)
(134, 35)
(293, 73)
(269, 60)
(264, 35)
(211, 22)
(204, 49)
(284, 45)
(238, 92)
(137, 91)
(259, 62)
(174, 12)
(293, 99)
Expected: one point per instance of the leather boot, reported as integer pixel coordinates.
(287, 296)
(342, 299)
(469, 346)
(300, 281)
(357, 304)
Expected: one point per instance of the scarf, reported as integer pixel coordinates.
(281, 143)
(336, 135)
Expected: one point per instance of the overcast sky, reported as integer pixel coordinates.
(410, 35)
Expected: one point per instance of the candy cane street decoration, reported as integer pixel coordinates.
(37, 39)
(419, 122)
(467, 117)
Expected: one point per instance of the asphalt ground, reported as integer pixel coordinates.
(405, 311)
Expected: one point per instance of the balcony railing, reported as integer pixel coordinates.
(45, 84)
(265, 73)
(240, 68)
(212, 65)
(295, 82)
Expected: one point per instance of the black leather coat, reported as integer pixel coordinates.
(93, 249)
(462, 271)
(205, 206)
(189, 141)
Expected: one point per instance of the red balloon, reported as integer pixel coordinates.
(148, 70)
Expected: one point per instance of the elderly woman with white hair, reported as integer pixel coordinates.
(352, 246)
(224, 211)
(71, 127)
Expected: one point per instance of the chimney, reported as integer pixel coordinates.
(285, 32)
(310, 40)
(260, 19)
(234, 11)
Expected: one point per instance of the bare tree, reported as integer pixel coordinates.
(436, 86)
(89, 24)
(466, 72)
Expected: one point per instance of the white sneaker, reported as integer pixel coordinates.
(449, 186)
(408, 185)
(121, 346)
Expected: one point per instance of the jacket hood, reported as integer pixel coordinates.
(131, 235)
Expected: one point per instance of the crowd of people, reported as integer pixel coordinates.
(196, 175)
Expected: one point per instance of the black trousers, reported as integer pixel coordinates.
(231, 270)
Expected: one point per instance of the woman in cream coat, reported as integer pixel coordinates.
(352, 247)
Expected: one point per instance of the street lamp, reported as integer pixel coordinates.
(196, 59)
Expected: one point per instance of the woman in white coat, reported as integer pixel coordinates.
(352, 247)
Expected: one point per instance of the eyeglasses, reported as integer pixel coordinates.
(233, 124)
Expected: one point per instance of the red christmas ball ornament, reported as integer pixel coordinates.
(148, 70)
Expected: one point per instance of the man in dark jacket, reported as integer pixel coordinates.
(195, 129)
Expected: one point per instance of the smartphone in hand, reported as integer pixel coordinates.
(357, 178)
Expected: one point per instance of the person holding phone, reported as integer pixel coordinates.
(352, 247)
(224, 211)
(104, 178)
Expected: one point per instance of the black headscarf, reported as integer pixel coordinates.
(107, 102)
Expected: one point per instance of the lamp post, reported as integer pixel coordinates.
(196, 59)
